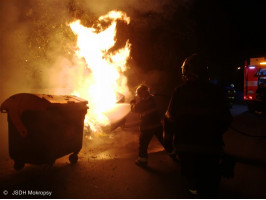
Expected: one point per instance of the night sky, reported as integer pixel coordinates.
(226, 32)
(233, 31)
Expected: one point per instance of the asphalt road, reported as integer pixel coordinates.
(106, 168)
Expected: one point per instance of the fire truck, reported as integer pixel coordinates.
(254, 75)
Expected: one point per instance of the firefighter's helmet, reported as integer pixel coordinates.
(195, 67)
(142, 91)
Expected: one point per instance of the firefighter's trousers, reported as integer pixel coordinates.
(145, 138)
(201, 172)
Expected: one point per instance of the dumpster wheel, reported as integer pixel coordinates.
(19, 165)
(73, 158)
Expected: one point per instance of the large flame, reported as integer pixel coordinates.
(106, 79)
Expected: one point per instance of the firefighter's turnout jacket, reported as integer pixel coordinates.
(149, 114)
(200, 115)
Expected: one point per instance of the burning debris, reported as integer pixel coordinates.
(105, 81)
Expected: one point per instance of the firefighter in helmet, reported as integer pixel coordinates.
(150, 122)
(261, 99)
(231, 93)
(200, 115)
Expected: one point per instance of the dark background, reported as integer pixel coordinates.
(226, 32)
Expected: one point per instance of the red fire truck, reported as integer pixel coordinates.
(254, 75)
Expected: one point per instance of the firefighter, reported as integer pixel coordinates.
(200, 115)
(150, 123)
(261, 99)
(231, 93)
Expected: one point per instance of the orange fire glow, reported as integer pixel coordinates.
(106, 78)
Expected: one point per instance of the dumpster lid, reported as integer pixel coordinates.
(28, 101)
(61, 99)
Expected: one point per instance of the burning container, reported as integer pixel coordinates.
(42, 128)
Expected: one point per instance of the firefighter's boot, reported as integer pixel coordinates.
(141, 161)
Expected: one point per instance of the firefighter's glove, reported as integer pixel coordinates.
(133, 101)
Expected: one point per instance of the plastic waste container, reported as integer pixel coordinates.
(42, 128)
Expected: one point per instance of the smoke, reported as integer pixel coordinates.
(100, 7)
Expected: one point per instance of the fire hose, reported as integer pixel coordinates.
(246, 134)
